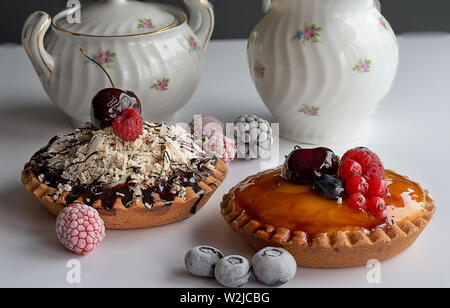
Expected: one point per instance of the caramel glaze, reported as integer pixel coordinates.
(274, 201)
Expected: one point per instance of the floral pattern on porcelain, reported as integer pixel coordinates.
(193, 45)
(363, 66)
(145, 23)
(161, 84)
(383, 23)
(310, 110)
(260, 70)
(104, 57)
(309, 33)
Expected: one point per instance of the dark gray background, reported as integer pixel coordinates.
(236, 18)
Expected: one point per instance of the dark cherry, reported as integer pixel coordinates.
(304, 166)
(109, 103)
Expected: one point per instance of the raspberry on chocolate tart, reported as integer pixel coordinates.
(329, 213)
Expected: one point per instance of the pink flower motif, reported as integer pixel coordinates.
(147, 24)
(383, 23)
(364, 67)
(310, 111)
(193, 45)
(309, 32)
(103, 57)
(161, 84)
(260, 70)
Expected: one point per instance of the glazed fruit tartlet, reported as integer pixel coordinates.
(330, 212)
(157, 176)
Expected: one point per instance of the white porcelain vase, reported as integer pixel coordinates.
(322, 67)
(147, 48)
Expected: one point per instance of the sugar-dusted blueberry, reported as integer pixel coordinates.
(274, 266)
(201, 260)
(329, 187)
(303, 166)
(233, 271)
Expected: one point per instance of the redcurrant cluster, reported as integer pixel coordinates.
(363, 174)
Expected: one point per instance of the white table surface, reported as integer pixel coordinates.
(411, 133)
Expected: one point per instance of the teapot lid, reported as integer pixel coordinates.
(115, 18)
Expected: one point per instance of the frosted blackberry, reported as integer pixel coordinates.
(201, 260)
(253, 136)
(274, 266)
(233, 271)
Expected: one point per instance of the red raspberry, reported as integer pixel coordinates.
(128, 125)
(349, 168)
(222, 147)
(356, 184)
(369, 161)
(206, 126)
(357, 201)
(80, 228)
(377, 207)
(377, 188)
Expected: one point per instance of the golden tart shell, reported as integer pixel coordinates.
(338, 250)
(136, 216)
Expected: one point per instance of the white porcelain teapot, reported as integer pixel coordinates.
(149, 49)
(322, 66)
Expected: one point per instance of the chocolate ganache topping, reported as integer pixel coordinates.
(98, 165)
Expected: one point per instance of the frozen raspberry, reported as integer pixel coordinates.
(206, 126)
(377, 207)
(369, 161)
(377, 188)
(128, 125)
(356, 184)
(80, 228)
(349, 168)
(357, 201)
(222, 146)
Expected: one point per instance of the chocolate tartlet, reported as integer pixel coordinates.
(160, 178)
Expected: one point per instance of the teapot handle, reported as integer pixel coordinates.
(201, 19)
(33, 34)
(266, 5)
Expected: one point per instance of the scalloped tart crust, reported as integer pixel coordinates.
(136, 216)
(334, 249)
